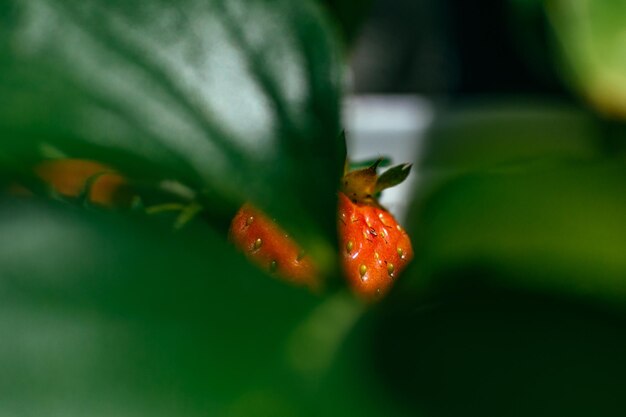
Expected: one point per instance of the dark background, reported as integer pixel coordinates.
(452, 47)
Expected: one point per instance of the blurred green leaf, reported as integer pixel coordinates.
(530, 30)
(558, 228)
(355, 384)
(526, 193)
(489, 133)
(238, 99)
(514, 304)
(103, 316)
(348, 15)
(481, 352)
(591, 39)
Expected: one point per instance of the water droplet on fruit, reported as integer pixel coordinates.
(258, 243)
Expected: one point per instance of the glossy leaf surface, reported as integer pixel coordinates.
(237, 99)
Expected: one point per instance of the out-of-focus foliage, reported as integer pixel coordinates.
(527, 191)
(493, 133)
(528, 28)
(104, 316)
(227, 97)
(514, 305)
(478, 351)
(556, 226)
(113, 314)
(348, 15)
(591, 37)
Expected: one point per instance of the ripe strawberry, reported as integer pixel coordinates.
(376, 249)
(271, 248)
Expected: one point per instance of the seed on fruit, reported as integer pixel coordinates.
(349, 246)
(249, 220)
(273, 266)
(258, 243)
(362, 270)
(390, 269)
(401, 253)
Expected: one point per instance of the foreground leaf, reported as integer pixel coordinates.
(106, 317)
(236, 99)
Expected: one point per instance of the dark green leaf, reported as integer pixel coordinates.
(101, 316)
(491, 353)
(348, 15)
(235, 98)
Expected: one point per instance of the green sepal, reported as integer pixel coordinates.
(392, 177)
(382, 162)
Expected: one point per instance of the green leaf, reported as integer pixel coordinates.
(237, 99)
(349, 16)
(555, 228)
(590, 36)
(527, 194)
(494, 133)
(104, 316)
(482, 352)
